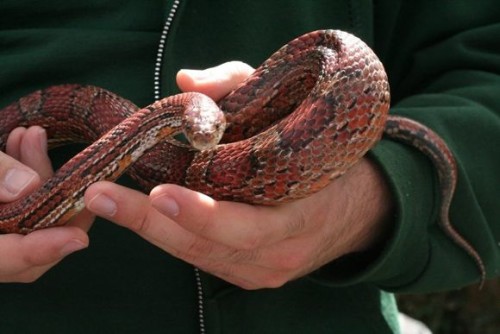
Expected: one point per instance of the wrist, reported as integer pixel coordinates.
(368, 206)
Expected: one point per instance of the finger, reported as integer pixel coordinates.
(25, 148)
(83, 220)
(16, 179)
(133, 210)
(13, 146)
(24, 258)
(128, 208)
(33, 151)
(235, 225)
(215, 82)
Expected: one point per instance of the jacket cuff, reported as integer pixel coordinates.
(404, 255)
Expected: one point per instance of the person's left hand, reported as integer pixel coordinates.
(251, 246)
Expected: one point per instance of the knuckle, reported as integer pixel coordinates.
(199, 247)
(140, 223)
(205, 226)
(297, 224)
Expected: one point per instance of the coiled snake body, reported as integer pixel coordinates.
(306, 115)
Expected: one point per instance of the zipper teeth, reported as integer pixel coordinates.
(199, 289)
(157, 96)
(161, 50)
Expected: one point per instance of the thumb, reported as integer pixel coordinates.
(215, 82)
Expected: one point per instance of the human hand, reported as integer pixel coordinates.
(251, 246)
(24, 258)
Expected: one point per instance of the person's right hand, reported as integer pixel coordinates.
(23, 168)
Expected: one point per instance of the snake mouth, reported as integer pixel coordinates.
(205, 140)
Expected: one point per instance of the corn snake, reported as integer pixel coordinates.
(322, 102)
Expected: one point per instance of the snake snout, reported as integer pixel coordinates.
(204, 140)
(204, 124)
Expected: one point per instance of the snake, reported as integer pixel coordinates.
(305, 116)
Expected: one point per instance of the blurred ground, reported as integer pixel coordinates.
(465, 311)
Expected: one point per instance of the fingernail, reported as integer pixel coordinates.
(166, 205)
(102, 205)
(16, 180)
(72, 246)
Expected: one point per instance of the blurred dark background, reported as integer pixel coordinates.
(468, 310)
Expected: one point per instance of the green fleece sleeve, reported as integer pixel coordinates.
(445, 73)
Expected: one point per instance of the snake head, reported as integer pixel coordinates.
(204, 122)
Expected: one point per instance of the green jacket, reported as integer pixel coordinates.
(443, 61)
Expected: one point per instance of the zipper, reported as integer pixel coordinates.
(157, 95)
(161, 50)
(199, 290)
